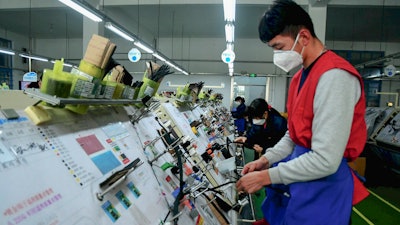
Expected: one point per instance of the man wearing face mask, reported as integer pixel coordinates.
(326, 108)
(267, 127)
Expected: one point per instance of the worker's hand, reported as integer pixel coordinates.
(240, 139)
(259, 164)
(257, 148)
(254, 181)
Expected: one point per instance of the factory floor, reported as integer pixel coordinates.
(381, 207)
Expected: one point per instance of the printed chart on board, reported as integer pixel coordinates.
(53, 172)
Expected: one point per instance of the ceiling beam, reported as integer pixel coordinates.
(364, 3)
(318, 3)
(24, 4)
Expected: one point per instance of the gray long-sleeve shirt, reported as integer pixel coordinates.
(336, 96)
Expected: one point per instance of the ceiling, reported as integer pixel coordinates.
(361, 20)
(375, 23)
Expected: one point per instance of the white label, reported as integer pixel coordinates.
(134, 55)
(228, 56)
(108, 91)
(149, 91)
(390, 71)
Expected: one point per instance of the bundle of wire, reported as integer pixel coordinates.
(196, 87)
(156, 72)
(137, 84)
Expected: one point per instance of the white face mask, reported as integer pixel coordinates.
(288, 59)
(258, 121)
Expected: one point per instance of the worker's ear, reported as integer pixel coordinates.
(265, 116)
(305, 37)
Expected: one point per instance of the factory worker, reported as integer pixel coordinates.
(238, 113)
(267, 127)
(326, 108)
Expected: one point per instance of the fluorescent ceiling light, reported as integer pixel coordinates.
(159, 57)
(68, 65)
(170, 64)
(65, 64)
(176, 67)
(230, 33)
(181, 70)
(118, 31)
(38, 58)
(82, 9)
(144, 47)
(229, 10)
(8, 52)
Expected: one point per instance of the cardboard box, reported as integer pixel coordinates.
(97, 50)
(359, 165)
(109, 53)
(117, 74)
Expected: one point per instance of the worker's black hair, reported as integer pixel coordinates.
(285, 17)
(258, 107)
(36, 84)
(239, 98)
(33, 85)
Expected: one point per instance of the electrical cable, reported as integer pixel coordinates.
(229, 182)
(180, 195)
(154, 173)
(181, 183)
(214, 189)
(166, 217)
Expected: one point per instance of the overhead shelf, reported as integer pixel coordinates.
(54, 100)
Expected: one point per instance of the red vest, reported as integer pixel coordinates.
(300, 111)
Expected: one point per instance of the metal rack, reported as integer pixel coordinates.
(54, 100)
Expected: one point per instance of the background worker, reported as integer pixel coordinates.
(326, 108)
(238, 113)
(36, 84)
(267, 127)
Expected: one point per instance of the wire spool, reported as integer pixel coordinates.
(149, 88)
(56, 83)
(118, 91)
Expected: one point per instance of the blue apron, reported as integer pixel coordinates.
(319, 202)
(240, 124)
